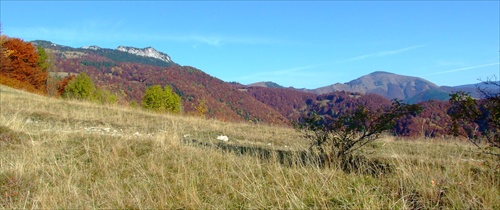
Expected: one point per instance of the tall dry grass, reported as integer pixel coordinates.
(70, 154)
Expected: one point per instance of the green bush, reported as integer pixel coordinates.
(161, 99)
(82, 88)
(105, 97)
(173, 100)
(133, 104)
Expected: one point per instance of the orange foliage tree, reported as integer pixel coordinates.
(20, 66)
(61, 85)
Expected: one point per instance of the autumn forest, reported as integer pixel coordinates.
(46, 68)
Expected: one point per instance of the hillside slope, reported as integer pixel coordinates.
(288, 102)
(63, 154)
(129, 75)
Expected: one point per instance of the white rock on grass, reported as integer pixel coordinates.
(223, 138)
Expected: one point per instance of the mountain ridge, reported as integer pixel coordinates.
(147, 55)
(267, 84)
(146, 52)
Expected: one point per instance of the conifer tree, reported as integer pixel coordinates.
(42, 63)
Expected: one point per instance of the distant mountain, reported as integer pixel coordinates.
(443, 92)
(385, 84)
(491, 86)
(407, 88)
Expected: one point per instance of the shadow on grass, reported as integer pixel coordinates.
(355, 164)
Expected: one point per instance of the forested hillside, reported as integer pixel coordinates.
(128, 76)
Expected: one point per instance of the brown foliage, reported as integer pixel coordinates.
(61, 85)
(287, 102)
(222, 100)
(433, 121)
(19, 67)
(17, 84)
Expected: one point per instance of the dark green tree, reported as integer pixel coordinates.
(43, 63)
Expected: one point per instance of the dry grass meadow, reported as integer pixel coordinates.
(59, 154)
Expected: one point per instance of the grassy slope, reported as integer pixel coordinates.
(67, 154)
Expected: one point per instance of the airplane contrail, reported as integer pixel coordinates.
(464, 69)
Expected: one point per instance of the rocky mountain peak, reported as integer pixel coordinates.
(93, 47)
(145, 52)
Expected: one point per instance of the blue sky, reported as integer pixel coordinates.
(293, 43)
